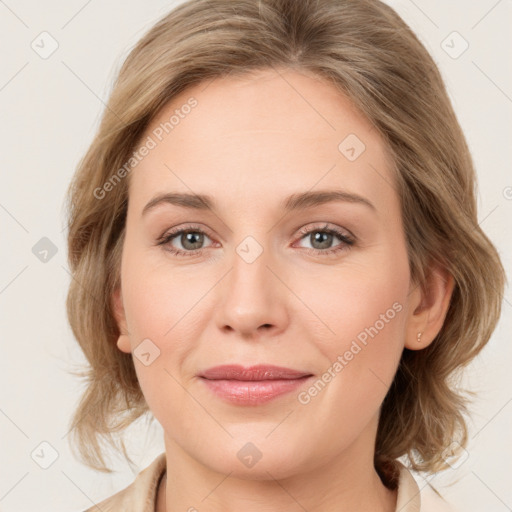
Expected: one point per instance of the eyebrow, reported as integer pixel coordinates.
(295, 202)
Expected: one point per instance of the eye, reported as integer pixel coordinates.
(190, 238)
(322, 238)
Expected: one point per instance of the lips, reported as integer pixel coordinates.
(258, 372)
(254, 385)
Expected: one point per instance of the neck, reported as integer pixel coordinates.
(344, 483)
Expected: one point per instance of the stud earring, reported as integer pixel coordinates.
(419, 337)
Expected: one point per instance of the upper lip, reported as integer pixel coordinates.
(257, 372)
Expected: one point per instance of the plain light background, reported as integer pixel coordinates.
(50, 109)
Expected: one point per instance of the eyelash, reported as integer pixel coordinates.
(347, 241)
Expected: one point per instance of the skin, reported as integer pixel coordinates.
(250, 143)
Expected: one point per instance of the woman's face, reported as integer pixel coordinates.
(299, 260)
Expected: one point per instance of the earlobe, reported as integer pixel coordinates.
(433, 301)
(123, 344)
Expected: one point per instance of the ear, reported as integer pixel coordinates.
(429, 305)
(123, 342)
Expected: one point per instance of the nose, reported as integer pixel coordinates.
(252, 298)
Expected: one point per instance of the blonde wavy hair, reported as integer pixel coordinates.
(367, 51)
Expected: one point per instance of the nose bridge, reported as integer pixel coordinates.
(251, 279)
(252, 296)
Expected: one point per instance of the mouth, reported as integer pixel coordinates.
(252, 385)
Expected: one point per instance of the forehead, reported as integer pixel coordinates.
(264, 134)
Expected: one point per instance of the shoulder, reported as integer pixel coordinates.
(431, 501)
(413, 499)
(140, 495)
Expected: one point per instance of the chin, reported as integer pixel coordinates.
(257, 460)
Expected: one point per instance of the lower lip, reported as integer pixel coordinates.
(253, 392)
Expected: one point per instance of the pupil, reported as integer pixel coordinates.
(318, 236)
(189, 238)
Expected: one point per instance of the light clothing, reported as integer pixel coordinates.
(140, 495)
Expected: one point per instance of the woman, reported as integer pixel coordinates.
(276, 253)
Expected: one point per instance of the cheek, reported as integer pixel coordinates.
(360, 358)
(158, 308)
(157, 300)
(363, 303)
(364, 309)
